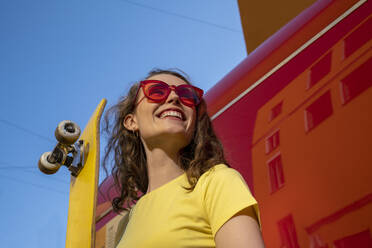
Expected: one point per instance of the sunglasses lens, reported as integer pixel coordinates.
(156, 91)
(188, 95)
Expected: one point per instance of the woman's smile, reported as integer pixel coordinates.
(173, 119)
(172, 113)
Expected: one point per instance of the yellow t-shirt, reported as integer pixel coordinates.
(170, 217)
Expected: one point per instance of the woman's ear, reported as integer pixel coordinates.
(130, 122)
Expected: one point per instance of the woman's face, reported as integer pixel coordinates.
(158, 122)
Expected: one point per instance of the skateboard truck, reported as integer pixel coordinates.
(67, 152)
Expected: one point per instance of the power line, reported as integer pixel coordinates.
(6, 165)
(27, 169)
(49, 177)
(26, 130)
(182, 16)
(15, 167)
(10, 166)
(34, 184)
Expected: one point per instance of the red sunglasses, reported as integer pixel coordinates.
(158, 91)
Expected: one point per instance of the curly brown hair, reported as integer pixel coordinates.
(129, 168)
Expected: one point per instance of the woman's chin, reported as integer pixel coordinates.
(176, 137)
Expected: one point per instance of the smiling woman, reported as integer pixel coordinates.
(165, 149)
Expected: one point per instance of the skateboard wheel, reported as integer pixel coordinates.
(45, 166)
(67, 132)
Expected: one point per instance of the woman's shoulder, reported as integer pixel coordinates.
(220, 172)
(220, 169)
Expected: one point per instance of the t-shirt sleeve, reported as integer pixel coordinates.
(225, 194)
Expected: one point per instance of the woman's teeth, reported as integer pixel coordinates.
(171, 113)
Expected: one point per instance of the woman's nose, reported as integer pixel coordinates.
(173, 97)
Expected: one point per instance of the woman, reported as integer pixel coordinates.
(164, 147)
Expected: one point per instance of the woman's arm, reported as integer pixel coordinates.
(240, 231)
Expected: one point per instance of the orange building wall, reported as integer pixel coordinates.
(325, 169)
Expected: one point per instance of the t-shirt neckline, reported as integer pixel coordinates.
(162, 186)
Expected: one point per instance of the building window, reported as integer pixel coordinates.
(358, 38)
(317, 242)
(276, 174)
(287, 232)
(320, 70)
(318, 111)
(360, 240)
(275, 111)
(356, 82)
(272, 142)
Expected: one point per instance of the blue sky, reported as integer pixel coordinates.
(59, 58)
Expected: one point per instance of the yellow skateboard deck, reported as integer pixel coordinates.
(83, 188)
(81, 157)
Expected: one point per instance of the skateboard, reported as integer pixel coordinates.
(81, 157)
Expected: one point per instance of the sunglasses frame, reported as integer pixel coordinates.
(169, 88)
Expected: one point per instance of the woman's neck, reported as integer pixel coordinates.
(161, 168)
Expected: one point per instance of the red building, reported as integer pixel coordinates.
(295, 119)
